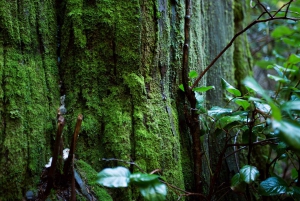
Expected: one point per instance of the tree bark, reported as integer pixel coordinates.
(119, 63)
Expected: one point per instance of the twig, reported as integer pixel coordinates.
(69, 160)
(265, 9)
(61, 123)
(233, 39)
(185, 193)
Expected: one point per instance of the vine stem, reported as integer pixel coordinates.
(192, 117)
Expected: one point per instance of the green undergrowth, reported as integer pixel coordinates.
(89, 175)
(28, 94)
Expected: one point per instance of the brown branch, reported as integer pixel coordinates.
(233, 39)
(287, 8)
(192, 116)
(262, 143)
(215, 177)
(265, 9)
(61, 123)
(69, 160)
(185, 193)
(286, 11)
(185, 57)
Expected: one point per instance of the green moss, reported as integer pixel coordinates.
(109, 78)
(89, 175)
(242, 56)
(28, 88)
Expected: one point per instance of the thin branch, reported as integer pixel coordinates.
(265, 9)
(262, 143)
(69, 160)
(233, 39)
(286, 11)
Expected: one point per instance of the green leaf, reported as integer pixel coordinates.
(181, 87)
(193, 74)
(155, 191)
(280, 31)
(251, 83)
(280, 70)
(294, 174)
(203, 89)
(245, 104)
(224, 121)
(296, 191)
(289, 132)
(281, 148)
(114, 177)
(263, 63)
(200, 102)
(290, 41)
(276, 114)
(291, 105)
(273, 186)
(278, 79)
(248, 173)
(237, 185)
(230, 88)
(294, 59)
(143, 179)
(218, 111)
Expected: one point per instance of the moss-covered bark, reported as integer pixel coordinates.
(120, 66)
(28, 94)
(116, 61)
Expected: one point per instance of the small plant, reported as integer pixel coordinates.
(149, 184)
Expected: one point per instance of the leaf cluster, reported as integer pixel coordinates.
(149, 185)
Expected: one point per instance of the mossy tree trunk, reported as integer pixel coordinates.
(29, 94)
(119, 64)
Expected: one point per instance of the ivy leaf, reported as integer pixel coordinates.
(218, 111)
(291, 105)
(251, 83)
(273, 186)
(280, 31)
(224, 121)
(289, 132)
(248, 173)
(278, 79)
(114, 177)
(155, 191)
(294, 174)
(203, 89)
(143, 179)
(151, 188)
(245, 104)
(230, 88)
(237, 185)
(280, 69)
(200, 102)
(294, 59)
(181, 87)
(193, 74)
(296, 190)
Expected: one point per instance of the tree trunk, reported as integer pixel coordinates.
(119, 64)
(29, 94)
